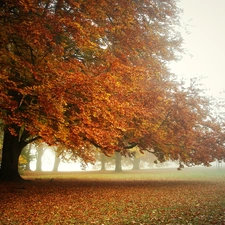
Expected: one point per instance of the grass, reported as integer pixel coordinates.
(157, 196)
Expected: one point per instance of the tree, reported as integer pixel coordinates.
(136, 157)
(58, 150)
(118, 162)
(26, 153)
(103, 162)
(84, 73)
(189, 132)
(56, 163)
(40, 149)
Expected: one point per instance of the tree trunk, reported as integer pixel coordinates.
(103, 162)
(118, 167)
(28, 167)
(136, 163)
(40, 153)
(28, 158)
(56, 163)
(12, 147)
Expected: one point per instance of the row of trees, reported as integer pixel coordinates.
(135, 161)
(35, 152)
(41, 157)
(89, 73)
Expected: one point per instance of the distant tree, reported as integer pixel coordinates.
(39, 154)
(56, 163)
(103, 161)
(26, 153)
(58, 150)
(136, 163)
(40, 150)
(22, 163)
(118, 162)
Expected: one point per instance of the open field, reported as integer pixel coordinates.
(159, 196)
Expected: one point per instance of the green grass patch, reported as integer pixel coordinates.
(190, 174)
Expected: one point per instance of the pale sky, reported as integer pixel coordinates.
(205, 43)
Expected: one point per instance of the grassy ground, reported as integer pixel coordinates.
(159, 196)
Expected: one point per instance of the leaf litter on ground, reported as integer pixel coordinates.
(116, 198)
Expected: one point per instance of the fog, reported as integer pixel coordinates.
(203, 32)
(48, 159)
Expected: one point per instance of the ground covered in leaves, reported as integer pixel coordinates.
(153, 197)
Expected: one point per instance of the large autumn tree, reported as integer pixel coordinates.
(82, 73)
(72, 71)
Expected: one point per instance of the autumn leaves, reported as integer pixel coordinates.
(95, 73)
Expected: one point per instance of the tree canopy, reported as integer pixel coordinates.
(81, 73)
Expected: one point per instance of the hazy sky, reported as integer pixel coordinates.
(205, 43)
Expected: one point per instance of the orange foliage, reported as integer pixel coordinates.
(187, 132)
(93, 72)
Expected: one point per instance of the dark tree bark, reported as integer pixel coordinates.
(118, 167)
(12, 147)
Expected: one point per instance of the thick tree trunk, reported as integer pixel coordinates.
(12, 147)
(118, 167)
(136, 164)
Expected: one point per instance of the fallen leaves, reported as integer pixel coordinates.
(80, 201)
